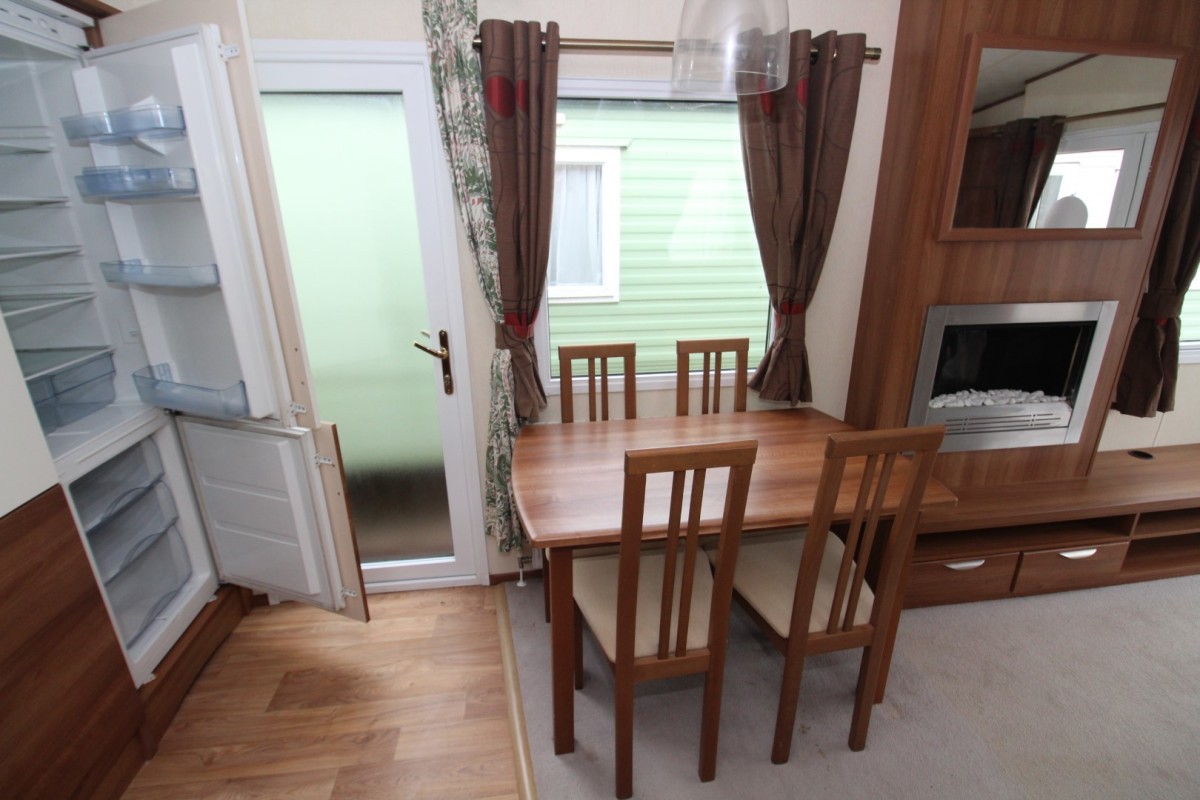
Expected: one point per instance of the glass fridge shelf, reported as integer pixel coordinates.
(36, 363)
(22, 308)
(156, 386)
(10, 147)
(133, 271)
(11, 203)
(38, 252)
(125, 125)
(129, 183)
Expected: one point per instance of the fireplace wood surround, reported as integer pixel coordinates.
(912, 265)
(1038, 518)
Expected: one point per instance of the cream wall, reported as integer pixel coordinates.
(1181, 426)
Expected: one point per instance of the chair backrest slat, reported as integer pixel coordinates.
(597, 354)
(712, 351)
(867, 458)
(681, 461)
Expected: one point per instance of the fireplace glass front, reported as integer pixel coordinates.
(1009, 375)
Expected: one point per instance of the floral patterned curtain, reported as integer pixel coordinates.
(450, 27)
(1151, 367)
(795, 145)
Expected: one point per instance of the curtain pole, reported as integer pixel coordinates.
(645, 46)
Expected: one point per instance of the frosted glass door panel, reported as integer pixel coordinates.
(345, 186)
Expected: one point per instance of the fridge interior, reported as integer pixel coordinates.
(129, 284)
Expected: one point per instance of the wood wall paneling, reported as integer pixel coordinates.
(909, 268)
(68, 703)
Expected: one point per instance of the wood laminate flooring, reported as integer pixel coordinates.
(302, 704)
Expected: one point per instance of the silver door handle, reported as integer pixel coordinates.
(1075, 555)
(963, 565)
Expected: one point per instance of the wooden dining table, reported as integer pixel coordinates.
(568, 481)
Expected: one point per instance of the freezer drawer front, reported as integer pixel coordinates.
(255, 486)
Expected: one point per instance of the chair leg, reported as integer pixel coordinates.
(546, 582)
(623, 720)
(710, 726)
(789, 699)
(869, 675)
(578, 648)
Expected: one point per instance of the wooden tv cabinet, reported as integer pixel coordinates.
(1136, 517)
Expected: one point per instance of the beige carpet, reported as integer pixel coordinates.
(1090, 694)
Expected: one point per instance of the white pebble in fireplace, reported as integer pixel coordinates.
(1010, 375)
(967, 398)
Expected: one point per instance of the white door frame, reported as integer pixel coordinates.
(291, 65)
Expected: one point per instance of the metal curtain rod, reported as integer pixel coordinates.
(644, 46)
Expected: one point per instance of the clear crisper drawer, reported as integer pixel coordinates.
(128, 183)
(135, 272)
(125, 124)
(118, 540)
(146, 586)
(68, 384)
(156, 386)
(107, 489)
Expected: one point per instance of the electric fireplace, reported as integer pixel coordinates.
(1009, 374)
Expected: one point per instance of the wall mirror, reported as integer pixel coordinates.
(1055, 138)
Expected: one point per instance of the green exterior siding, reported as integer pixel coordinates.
(689, 261)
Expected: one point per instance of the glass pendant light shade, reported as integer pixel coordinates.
(728, 47)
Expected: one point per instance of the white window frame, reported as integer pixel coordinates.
(608, 159)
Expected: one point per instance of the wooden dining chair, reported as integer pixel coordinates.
(813, 592)
(595, 354)
(712, 350)
(660, 612)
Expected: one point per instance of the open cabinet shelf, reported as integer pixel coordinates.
(1132, 519)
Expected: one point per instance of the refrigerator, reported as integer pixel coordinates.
(137, 296)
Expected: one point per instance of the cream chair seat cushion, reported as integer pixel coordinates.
(595, 585)
(766, 572)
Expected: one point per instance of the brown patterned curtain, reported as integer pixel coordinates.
(795, 144)
(1148, 375)
(520, 91)
(1004, 171)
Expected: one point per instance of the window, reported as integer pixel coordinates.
(1106, 169)
(683, 245)
(1189, 320)
(585, 237)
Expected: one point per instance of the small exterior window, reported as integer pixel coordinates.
(585, 233)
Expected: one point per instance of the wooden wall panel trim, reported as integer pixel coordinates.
(909, 268)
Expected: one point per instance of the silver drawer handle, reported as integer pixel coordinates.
(1075, 555)
(962, 565)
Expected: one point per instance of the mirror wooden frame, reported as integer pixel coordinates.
(1166, 151)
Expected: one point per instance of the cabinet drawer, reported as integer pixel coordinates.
(960, 580)
(1069, 568)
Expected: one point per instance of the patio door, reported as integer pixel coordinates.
(367, 210)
